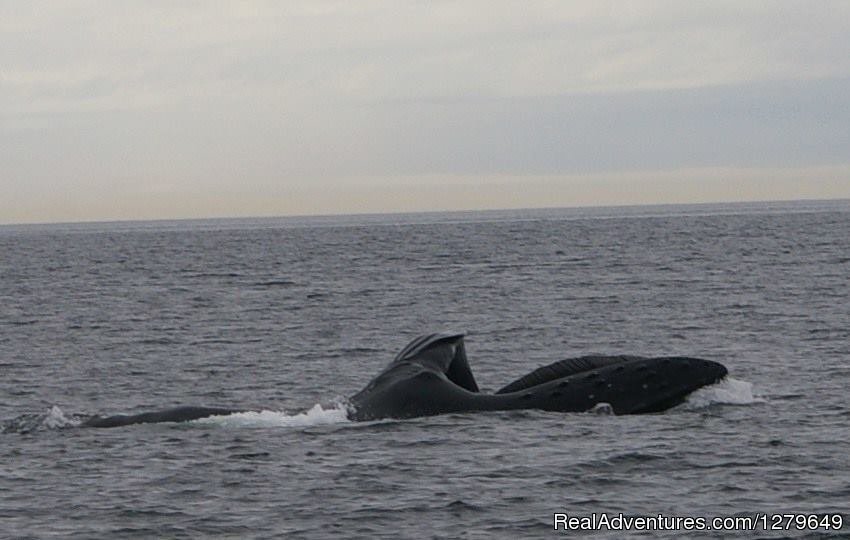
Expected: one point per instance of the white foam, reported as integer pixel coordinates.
(316, 416)
(53, 418)
(729, 391)
(56, 419)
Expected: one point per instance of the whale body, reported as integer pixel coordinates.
(176, 414)
(431, 376)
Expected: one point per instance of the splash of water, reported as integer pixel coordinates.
(316, 416)
(729, 391)
(54, 418)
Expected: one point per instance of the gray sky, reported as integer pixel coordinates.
(137, 110)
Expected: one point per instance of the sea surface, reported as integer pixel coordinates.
(288, 316)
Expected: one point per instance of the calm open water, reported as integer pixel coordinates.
(279, 315)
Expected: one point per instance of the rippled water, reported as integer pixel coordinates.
(279, 315)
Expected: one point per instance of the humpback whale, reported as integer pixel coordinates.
(431, 376)
(176, 414)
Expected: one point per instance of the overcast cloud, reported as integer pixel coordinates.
(129, 110)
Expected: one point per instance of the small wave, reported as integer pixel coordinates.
(274, 283)
(729, 391)
(316, 416)
(459, 505)
(53, 419)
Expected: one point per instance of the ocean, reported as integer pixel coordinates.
(289, 316)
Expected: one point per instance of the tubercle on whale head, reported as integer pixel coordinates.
(713, 371)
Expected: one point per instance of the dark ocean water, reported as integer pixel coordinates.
(279, 315)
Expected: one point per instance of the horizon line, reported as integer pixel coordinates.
(319, 216)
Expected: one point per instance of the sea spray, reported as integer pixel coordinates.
(729, 391)
(315, 416)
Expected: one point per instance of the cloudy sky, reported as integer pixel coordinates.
(144, 110)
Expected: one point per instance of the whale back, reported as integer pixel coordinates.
(563, 368)
(175, 414)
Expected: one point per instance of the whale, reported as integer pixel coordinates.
(432, 376)
(185, 413)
